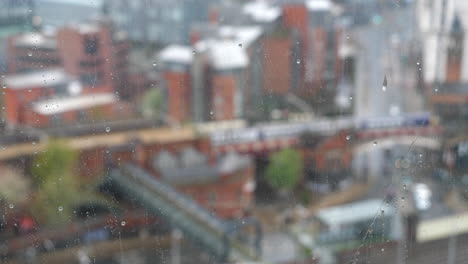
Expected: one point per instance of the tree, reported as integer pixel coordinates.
(285, 169)
(152, 103)
(58, 191)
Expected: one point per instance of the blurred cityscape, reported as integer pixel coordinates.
(234, 131)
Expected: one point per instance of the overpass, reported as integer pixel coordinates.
(231, 136)
(213, 234)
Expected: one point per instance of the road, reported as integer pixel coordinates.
(383, 49)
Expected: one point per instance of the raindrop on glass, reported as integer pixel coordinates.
(384, 84)
(298, 61)
(11, 206)
(60, 208)
(383, 249)
(123, 223)
(240, 45)
(154, 64)
(30, 54)
(348, 137)
(108, 129)
(375, 143)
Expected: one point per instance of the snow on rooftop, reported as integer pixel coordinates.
(46, 78)
(346, 214)
(244, 35)
(176, 54)
(64, 104)
(35, 39)
(227, 54)
(261, 11)
(318, 5)
(87, 28)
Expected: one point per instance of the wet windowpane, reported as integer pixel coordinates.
(224, 131)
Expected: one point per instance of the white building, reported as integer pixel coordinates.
(441, 25)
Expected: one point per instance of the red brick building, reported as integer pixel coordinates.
(295, 17)
(228, 80)
(32, 51)
(93, 53)
(327, 154)
(177, 62)
(277, 61)
(85, 50)
(52, 97)
(223, 185)
(23, 89)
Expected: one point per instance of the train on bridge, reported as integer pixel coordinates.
(323, 126)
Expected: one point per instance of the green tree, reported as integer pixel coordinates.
(58, 190)
(152, 103)
(285, 169)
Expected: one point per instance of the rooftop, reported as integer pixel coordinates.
(346, 214)
(319, 5)
(244, 35)
(442, 227)
(46, 78)
(227, 55)
(176, 54)
(64, 104)
(192, 167)
(35, 40)
(261, 11)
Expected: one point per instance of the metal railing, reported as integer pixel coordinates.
(181, 211)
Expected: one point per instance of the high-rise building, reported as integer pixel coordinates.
(157, 21)
(16, 16)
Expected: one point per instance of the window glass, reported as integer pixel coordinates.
(224, 131)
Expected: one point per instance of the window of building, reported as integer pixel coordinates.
(91, 45)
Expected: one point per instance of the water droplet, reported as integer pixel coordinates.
(298, 61)
(384, 84)
(417, 63)
(123, 223)
(240, 45)
(436, 90)
(193, 52)
(402, 198)
(108, 129)
(404, 186)
(383, 249)
(375, 143)
(154, 64)
(60, 208)
(11, 206)
(29, 53)
(348, 137)
(350, 98)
